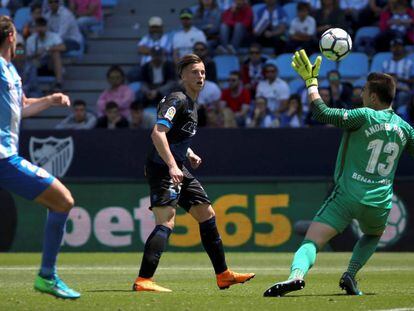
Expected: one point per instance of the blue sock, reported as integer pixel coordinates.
(55, 225)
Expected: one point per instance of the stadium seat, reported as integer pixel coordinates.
(109, 3)
(283, 63)
(194, 8)
(360, 82)
(296, 85)
(355, 65)
(366, 32)
(326, 66)
(4, 11)
(135, 86)
(226, 64)
(378, 60)
(290, 9)
(21, 18)
(255, 8)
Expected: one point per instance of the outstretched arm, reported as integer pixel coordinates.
(33, 106)
(342, 118)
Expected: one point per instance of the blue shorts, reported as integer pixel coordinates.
(23, 178)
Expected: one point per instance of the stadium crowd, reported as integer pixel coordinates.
(246, 47)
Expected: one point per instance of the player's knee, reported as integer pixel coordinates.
(67, 202)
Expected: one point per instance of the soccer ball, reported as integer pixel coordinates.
(335, 44)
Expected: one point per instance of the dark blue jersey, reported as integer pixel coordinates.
(178, 112)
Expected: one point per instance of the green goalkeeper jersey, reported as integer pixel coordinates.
(370, 149)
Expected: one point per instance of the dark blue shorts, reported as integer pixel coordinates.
(23, 178)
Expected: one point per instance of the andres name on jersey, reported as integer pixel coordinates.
(190, 127)
(386, 127)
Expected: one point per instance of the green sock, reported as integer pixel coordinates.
(303, 260)
(363, 250)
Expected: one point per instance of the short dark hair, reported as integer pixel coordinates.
(34, 6)
(41, 21)
(116, 68)
(136, 105)
(383, 85)
(111, 105)
(187, 60)
(303, 6)
(6, 28)
(79, 102)
(235, 73)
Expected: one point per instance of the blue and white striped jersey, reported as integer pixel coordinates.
(11, 104)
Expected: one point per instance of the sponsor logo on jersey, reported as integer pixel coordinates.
(169, 115)
(190, 127)
(52, 154)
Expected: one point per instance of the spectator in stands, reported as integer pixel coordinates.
(35, 13)
(340, 91)
(137, 120)
(326, 97)
(397, 21)
(112, 119)
(88, 13)
(292, 117)
(314, 4)
(201, 49)
(274, 89)
(184, 40)
(207, 99)
(328, 16)
(44, 49)
(401, 67)
(252, 68)
(80, 119)
(220, 116)
(352, 10)
(27, 71)
(63, 22)
(224, 4)
(118, 92)
(158, 78)
(236, 22)
(260, 115)
(270, 26)
(302, 30)
(237, 97)
(356, 99)
(12, 5)
(155, 37)
(207, 18)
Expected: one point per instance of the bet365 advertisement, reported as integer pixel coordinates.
(268, 216)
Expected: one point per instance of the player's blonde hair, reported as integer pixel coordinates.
(6, 28)
(187, 60)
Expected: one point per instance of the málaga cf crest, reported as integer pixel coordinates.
(51, 153)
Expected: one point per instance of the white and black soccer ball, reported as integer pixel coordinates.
(335, 44)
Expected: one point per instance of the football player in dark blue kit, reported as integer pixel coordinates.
(171, 184)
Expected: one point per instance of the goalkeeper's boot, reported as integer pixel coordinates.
(56, 287)
(282, 288)
(349, 284)
(229, 278)
(148, 285)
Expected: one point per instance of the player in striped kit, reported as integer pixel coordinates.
(22, 177)
(374, 139)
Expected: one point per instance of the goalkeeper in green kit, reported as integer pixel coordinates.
(374, 139)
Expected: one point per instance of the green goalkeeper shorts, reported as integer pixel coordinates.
(339, 210)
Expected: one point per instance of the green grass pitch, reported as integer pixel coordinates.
(105, 281)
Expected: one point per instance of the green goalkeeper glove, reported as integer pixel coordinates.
(308, 71)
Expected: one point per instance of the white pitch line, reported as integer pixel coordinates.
(397, 309)
(181, 268)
